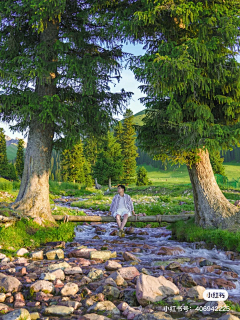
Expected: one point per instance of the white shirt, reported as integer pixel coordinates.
(121, 204)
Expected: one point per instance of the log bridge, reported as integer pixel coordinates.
(7, 221)
(157, 218)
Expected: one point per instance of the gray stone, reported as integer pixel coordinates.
(74, 270)
(103, 255)
(228, 317)
(94, 316)
(55, 254)
(111, 292)
(106, 306)
(111, 265)
(48, 276)
(196, 292)
(10, 284)
(42, 285)
(70, 289)
(59, 274)
(58, 311)
(95, 274)
(152, 289)
(153, 316)
(118, 279)
(212, 306)
(129, 296)
(2, 297)
(21, 252)
(19, 314)
(55, 266)
(37, 255)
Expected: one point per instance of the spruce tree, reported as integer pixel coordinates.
(126, 136)
(12, 175)
(142, 178)
(4, 168)
(217, 162)
(73, 164)
(87, 174)
(20, 158)
(59, 48)
(109, 164)
(91, 149)
(190, 76)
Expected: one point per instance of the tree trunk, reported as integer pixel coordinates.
(33, 197)
(212, 209)
(109, 183)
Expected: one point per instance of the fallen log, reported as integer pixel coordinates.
(156, 218)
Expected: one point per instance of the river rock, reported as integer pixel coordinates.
(213, 306)
(58, 274)
(110, 292)
(47, 276)
(153, 316)
(119, 280)
(129, 273)
(185, 280)
(81, 253)
(169, 251)
(85, 280)
(58, 311)
(19, 300)
(2, 256)
(55, 254)
(35, 316)
(4, 307)
(196, 292)
(111, 265)
(102, 255)
(151, 289)
(21, 252)
(228, 317)
(42, 285)
(70, 289)
(205, 263)
(173, 266)
(129, 296)
(105, 306)
(127, 256)
(110, 282)
(94, 316)
(10, 284)
(73, 270)
(61, 265)
(2, 297)
(19, 314)
(95, 274)
(37, 255)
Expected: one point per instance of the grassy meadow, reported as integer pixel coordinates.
(170, 194)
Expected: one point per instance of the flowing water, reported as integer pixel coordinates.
(145, 243)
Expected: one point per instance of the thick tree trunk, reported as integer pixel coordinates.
(33, 197)
(212, 209)
(109, 183)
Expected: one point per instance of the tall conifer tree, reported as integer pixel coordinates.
(109, 165)
(20, 158)
(4, 168)
(191, 77)
(56, 63)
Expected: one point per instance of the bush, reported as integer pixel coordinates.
(5, 185)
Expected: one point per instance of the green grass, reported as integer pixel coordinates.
(188, 231)
(25, 233)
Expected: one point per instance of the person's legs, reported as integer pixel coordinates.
(118, 219)
(125, 218)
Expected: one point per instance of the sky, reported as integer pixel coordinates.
(127, 82)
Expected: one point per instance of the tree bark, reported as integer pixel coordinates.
(109, 183)
(33, 198)
(212, 209)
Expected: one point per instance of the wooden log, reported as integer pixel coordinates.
(156, 218)
(7, 219)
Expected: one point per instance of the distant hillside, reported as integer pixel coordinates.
(11, 152)
(138, 117)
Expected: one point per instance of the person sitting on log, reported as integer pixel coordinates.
(121, 207)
